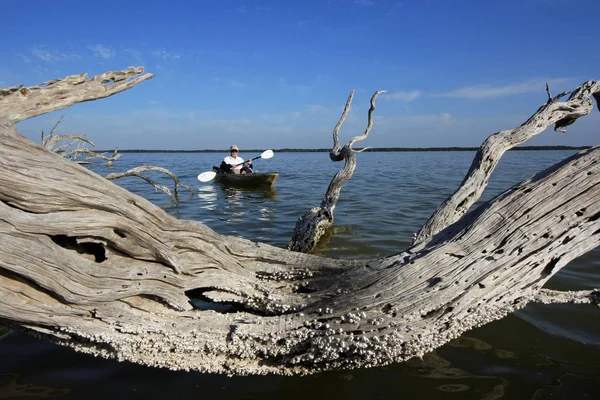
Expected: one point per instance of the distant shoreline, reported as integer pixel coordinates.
(375, 149)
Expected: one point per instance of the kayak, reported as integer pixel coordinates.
(249, 180)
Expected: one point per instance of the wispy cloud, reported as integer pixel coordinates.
(136, 54)
(237, 84)
(102, 51)
(488, 91)
(287, 87)
(402, 95)
(364, 3)
(52, 55)
(165, 55)
(24, 57)
(45, 55)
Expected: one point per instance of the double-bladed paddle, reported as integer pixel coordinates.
(209, 175)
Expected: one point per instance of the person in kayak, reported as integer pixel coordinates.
(234, 163)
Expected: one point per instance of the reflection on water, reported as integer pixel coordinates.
(251, 207)
(10, 388)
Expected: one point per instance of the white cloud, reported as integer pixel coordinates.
(237, 84)
(402, 95)
(165, 55)
(280, 118)
(487, 91)
(417, 121)
(24, 58)
(51, 55)
(364, 3)
(102, 51)
(136, 54)
(44, 55)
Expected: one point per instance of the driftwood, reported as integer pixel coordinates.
(553, 111)
(311, 227)
(137, 172)
(19, 103)
(87, 264)
(72, 149)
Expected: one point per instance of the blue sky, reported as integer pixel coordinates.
(275, 74)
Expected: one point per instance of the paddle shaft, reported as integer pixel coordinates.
(248, 160)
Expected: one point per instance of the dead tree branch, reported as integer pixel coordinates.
(20, 103)
(73, 145)
(553, 111)
(313, 224)
(90, 265)
(137, 172)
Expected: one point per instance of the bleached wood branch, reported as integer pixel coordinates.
(312, 226)
(128, 271)
(45, 139)
(553, 111)
(335, 154)
(547, 296)
(20, 103)
(52, 142)
(92, 266)
(137, 172)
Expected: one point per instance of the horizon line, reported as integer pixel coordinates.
(369, 149)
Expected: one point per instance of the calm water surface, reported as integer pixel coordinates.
(540, 352)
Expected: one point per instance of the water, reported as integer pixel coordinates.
(539, 352)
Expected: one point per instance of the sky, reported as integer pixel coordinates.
(276, 74)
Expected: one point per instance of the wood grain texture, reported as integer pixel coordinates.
(90, 265)
(20, 103)
(561, 114)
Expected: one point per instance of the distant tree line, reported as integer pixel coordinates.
(375, 149)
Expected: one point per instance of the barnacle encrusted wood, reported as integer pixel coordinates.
(90, 265)
(554, 111)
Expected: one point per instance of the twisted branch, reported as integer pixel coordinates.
(137, 172)
(561, 114)
(311, 227)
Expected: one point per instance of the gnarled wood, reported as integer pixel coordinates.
(137, 172)
(20, 103)
(313, 224)
(73, 148)
(90, 265)
(561, 114)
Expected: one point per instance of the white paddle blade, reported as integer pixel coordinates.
(207, 176)
(267, 154)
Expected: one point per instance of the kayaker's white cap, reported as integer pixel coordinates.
(234, 147)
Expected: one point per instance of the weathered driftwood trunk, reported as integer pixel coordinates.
(95, 267)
